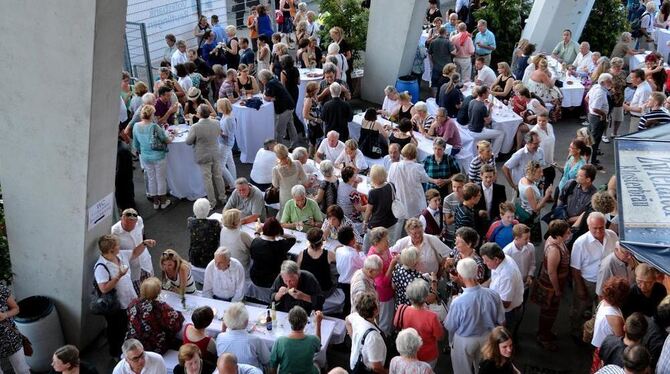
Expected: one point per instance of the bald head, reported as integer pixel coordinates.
(227, 364)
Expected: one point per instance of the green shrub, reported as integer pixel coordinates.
(504, 19)
(351, 17)
(606, 22)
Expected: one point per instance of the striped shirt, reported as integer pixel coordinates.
(476, 165)
(653, 118)
(464, 217)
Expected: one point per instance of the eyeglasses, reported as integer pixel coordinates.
(134, 215)
(137, 358)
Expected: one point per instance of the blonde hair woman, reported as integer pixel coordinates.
(286, 174)
(228, 125)
(502, 87)
(237, 241)
(176, 273)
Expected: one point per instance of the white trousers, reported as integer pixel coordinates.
(466, 353)
(496, 137)
(464, 65)
(19, 364)
(228, 165)
(156, 177)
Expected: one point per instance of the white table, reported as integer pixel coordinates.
(663, 37)
(253, 127)
(183, 174)
(427, 67)
(306, 77)
(468, 146)
(332, 329)
(572, 90)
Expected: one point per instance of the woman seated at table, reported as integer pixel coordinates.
(502, 87)
(229, 88)
(421, 120)
(336, 220)
(391, 102)
(195, 332)
(193, 99)
(203, 233)
(319, 261)
(542, 84)
(269, 249)
(234, 338)
(527, 105)
(349, 199)
(176, 273)
(191, 361)
(294, 353)
(403, 135)
(352, 156)
(237, 241)
(404, 110)
(301, 210)
(246, 84)
(295, 287)
(286, 174)
(327, 194)
(152, 322)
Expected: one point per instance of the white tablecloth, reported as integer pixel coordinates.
(427, 67)
(572, 90)
(637, 61)
(468, 146)
(663, 37)
(332, 329)
(304, 79)
(183, 174)
(253, 127)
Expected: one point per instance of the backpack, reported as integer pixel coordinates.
(636, 26)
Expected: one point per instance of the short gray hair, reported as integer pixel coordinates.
(333, 48)
(335, 89)
(326, 168)
(333, 133)
(417, 291)
(409, 256)
(467, 268)
(440, 142)
(289, 267)
(377, 234)
(389, 90)
(222, 251)
(201, 208)
(204, 111)
(240, 181)
(131, 345)
(604, 77)
(236, 317)
(148, 98)
(298, 190)
(421, 106)
(329, 67)
(299, 152)
(265, 75)
(482, 22)
(373, 262)
(595, 215)
(297, 318)
(408, 342)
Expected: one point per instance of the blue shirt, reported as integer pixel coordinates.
(475, 312)
(450, 28)
(486, 38)
(228, 127)
(249, 349)
(220, 33)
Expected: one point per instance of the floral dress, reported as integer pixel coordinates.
(10, 339)
(154, 323)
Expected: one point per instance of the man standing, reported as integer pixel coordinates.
(170, 40)
(329, 77)
(439, 53)
(640, 98)
(219, 32)
(224, 277)
(587, 254)
(471, 317)
(566, 50)
(330, 147)
(576, 196)
(283, 104)
(179, 56)
(248, 199)
(479, 125)
(337, 113)
(450, 205)
(493, 194)
(130, 230)
(616, 264)
(465, 213)
(439, 166)
(247, 56)
(598, 109)
(204, 135)
(485, 75)
(393, 156)
(464, 48)
(506, 280)
(485, 42)
(514, 168)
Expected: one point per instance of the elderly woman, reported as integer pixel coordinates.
(286, 174)
(542, 84)
(431, 250)
(363, 279)
(609, 319)
(300, 211)
(294, 353)
(408, 343)
(327, 194)
(404, 110)
(319, 261)
(195, 332)
(296, 287)
(278, 52)
(484, 157)
(391, 102)
(421, 120)
(268, 250)
(502, 87)
(422, 319)
(341, 61)
(248, 348)
(440, 166)
(531, 199)
(237, 241)
(348, 198)
(11, 347)
(408, 175)
(378, 211)
(554, 273)
(497, 353)
(617, 92)
(352, 156)
(336, 220)
(379, 238)
(65, 360)
(404, 274)
(466, 241)
(176, 273)
(191, 362)
(154, 161)
(151, 321)
(204, 234)
(368, 350)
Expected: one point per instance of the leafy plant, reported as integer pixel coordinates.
(5, 265)
(602, 36)
(505, 19)
(351, 17)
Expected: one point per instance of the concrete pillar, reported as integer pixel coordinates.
(58, 145)
(393, 36)
(549, 18)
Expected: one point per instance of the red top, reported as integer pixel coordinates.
(202, 344)
(429, 328)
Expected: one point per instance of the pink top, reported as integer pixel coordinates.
(382, 282)
(463, 45)
(449, 132)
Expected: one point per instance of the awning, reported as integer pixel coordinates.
(656, 256)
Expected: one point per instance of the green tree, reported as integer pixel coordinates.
(504, 19)
(350, 16)
(606, 22)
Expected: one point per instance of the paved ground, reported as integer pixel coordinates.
(168, 227)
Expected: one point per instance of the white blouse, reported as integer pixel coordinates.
(547, 141)
(407, 177)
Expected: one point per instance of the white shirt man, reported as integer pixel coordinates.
(588, 252)
(485, 75)
(153, 363)
(178, 57)
(522, 251)
(224, 278)
(598, 99)
(330, 148)
(507, 282)
(583, 62)
(133, 238)
(374, 349)
(261, 170)
(428, 263)
(639, 101)
(515, 168)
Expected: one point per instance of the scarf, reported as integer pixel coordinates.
(462, 37)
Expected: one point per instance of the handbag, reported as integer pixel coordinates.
(372, 143)
(397, 207)
(360, 367)
(27, 345)
(541, 295)
(272, 195)
(589, 326)
(103, 303)
(157, 144)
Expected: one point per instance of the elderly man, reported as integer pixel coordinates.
(130, 231)
(464, 48)
(479, 115)
(137, 360)
(308, 165)
(583, 63)
(431, 249)
(295, 287)
(248, 348)
(587, 254)
(337, 113)
(471, 317)
(576, 196)
(179, 56)
(514, 168)
(485, 75)
(440, 53)
(452, 24)
(224, 277)
(264, 162)
(283, 104)
(227, 364)
(598, 109)
(637, 105)
(393, 156)
(301, 210)
(616, 264)
(506, 280)
(363, 279)
(204, 136)
(330, 148)
(439, 166)
(485, 42)
(566, 50)
(248, 199)
(329, 77)
(646, 293)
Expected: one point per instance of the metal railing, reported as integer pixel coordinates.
(137, 60)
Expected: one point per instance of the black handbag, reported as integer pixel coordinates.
(372, 143)
(272, 195)
(104, 303)
(360, 367)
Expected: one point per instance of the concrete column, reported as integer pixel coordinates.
(61, 65)
(549, 18)
(393, 36)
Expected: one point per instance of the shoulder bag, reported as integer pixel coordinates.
(272, 195)
(397, 207)
(157, 144)
(103, 303)
(360, 367)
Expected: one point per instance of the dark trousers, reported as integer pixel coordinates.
(117, 325)
(597, 128)
(346, 287)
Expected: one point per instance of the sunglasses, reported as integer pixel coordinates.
(135, 215)
(168, 254)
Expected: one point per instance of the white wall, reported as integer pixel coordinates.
(58, 148)
(549, 18)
